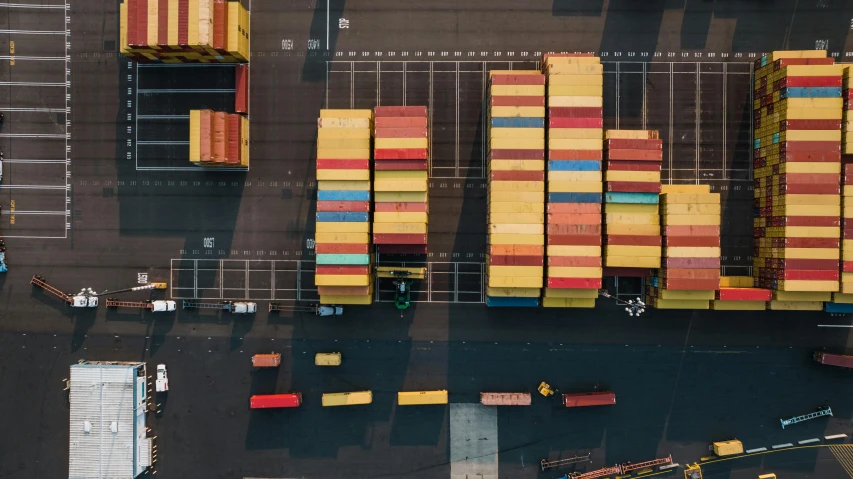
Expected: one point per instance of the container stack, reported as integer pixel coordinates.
(689, 276)
(797, 154)
(632, 182)
(184, 31)
(575, 143)
(737, 294)
(342, 240)
(219, 139)
(401, 169)
(516, 217)
(847, 112)
(842, 301)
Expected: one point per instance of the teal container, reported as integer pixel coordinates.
(632, 198)
(358, 259)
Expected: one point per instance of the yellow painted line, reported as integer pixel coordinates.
(741, 456)
(12, 61)
(707, 458)
(12, 219)
(12, 47)
(844, 455)
(657, 473)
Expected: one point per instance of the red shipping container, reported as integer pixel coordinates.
(573, 219)
(810, 275)
(627, 272)
(163, 22)
(400, 154)
(234, 137)
(702, 263)
(404, 111)
(806, 242)
(632, 240)
(810, 264)
(598, 398)
(590, 155)
(400, 122)
(632, 187)
(817, 81)
(690, 230)
(574, 283)
(575, 112)
(516, 154)
(744, 294)
(241, 102)
(516, 260)
(342, 269)
(343, 290)
(340, 248)
(267, 401)
(220, 137)
(516, 249)
(326, 164)
(517, 101)
(805, 221)
(571, 240)
(632, 165)
(847, 267)
(381, 207)
(399, 238)
(343, 206)
(142, 22)
(206, 135)
(691, 273)
(516, 175)
(512, 79)
(575, 229)
(692, 284)
(809, 179)
(633, 144)
(401, 165)
(183, 22)
(132, 22)
(807, 190)
(810, 124)
(575, 261)
(403, 249)
(692, 241)
(833, 146)
(640, 155)
(578, 208)
(220, 25)
(400, 133)
(833, 359)
(575, 122)
(805, 156)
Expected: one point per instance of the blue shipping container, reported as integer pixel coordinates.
(632, 198)
(838, 308)
(511, 302)
(336, 217)
(574, 197)
(574, 165)
(343, 195)
(363, 259)
(518, 122)
(811, 92)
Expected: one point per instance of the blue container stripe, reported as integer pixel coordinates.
(838, 308)
(518, 122)
(343, 195)
(811, 92)
(632, 198)
(335, 217)
(574, 197)
(343, 259)
(576, 165)
(511, 302)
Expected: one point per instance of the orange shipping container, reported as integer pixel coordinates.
(220, 137)
(206, 135)
(220, 25)
(233, 157)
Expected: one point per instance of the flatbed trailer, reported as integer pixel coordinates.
(155, 306)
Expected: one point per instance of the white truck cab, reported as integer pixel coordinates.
(245, 308)
(161, 305)
(162, 382)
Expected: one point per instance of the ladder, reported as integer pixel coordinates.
(628, 467)
(600, 472)
(824, 411)
(546, 464)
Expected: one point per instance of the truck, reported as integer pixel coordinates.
(162, 382)
(505, 399)
(270, 401)
(238, 307)
(157, 306)
(830, 359)
(83, 299)
(317, 309)
(270, 360)
(728, 448)
(597, 398)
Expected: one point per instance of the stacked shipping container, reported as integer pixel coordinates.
(516, 241)
(401, 168)
(184, 31)
(690, 269)
(842, 301)
(847, 113)
(219, 139)
(798, 110)
(342, 239)
(575, 142)
(737, 294)
(632, 181)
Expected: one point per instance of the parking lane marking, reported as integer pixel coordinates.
(782, 446)
(149, 91)
(35, 161)
(16, 57)
(35, 110)
(29, 83)
(32, 135)
(808, 441)
(836, 436)
(31, 5)
(163, 117)
(760, 449)
(31, 32)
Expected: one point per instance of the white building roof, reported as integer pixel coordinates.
(107, 425)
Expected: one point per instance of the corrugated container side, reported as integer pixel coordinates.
(220, 137)
(234, 132)
(241, 103)
(505, 399)
(195, 139)
(220, 25)
(183, 22)
(244, 141)
(205, 135)
(192, 22)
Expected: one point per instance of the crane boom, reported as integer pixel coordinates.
(135, 288)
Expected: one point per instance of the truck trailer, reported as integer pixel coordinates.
(830, 359)
(599, 398)
(271, 401)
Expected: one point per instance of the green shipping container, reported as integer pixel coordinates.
(343, 259)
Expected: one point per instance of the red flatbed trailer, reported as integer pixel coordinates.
(601, 398)
(267, 401)
(839, 360)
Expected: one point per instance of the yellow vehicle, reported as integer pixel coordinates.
(347, 399)
(693, 472)
(728, 448)
(327, 359)
(416, 398)
(545, 389)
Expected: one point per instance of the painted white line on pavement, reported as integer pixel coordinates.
(31, 32)
(142, 143)
(186, 90)
(835, 325)
(836, 436)
(33, 237)
(808, 441)
(781, 446)
(30, 5)
(29, 83)
(50, 213)
(16, 58)
(32, 135)
(38, 110)
(32, 187)
(760, 449)
(162, 117)
(62, 162)
(670, 466)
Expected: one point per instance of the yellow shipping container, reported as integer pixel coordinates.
(642, 176)
(552, 60)
(536, 240)
(513, 72)
(584, 176)
(517, 111)
(342, 227)
(523, 271)
(380, 143)
(400, 197)
(530, 207)
(517, 165)
(809, 253)
(695, 220)
(639, 251)
(528, 186)
(847, 190)
(808, 200)
(341, 280)
(806, 285)
(343, 174)
(575, 101)
(615, 261)
(327, 359)
(690, 198)
(689, 189)
(805, 232)
(244, 141)
(345, 123)
(844, 298)
(338, 114)
(516, 196)
(575, 90)
(355, 300)
(682, 304)
(632, 219)
(151, 34)
(796, 305)
(692, 252)
(640, 230)
(559, 144)
(515, 282)
(847, 244)
(631, 134)
(778, 54)
(416, 398)
(195, 132)
(571, 293)
(517, 143)
(728, 448)
(574, 186)
(325, 133)
(810, 71)
(347, 399)
(575, 69)
(400, 228)
(553, 302)
(722, 305)
(122, 27)
(624, 208)
(343, 153)
(514, 292)
(517, 90)
(524, 133)
(400, 175)
(517, 218)
(670, 294)
(575, 133)
(574, 80)
(382, 184)
(687, 209)
(172, 24)
(574, 272)
(562, 250)
(193, 21)
(343, 185)
(801, 296)
(736, 281)
(812, 135)
(336, 238)
(812, 114)
(395, 217)
(520, 229)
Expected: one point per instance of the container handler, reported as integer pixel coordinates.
(317, 309)
(545, 389)
(84, 299)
